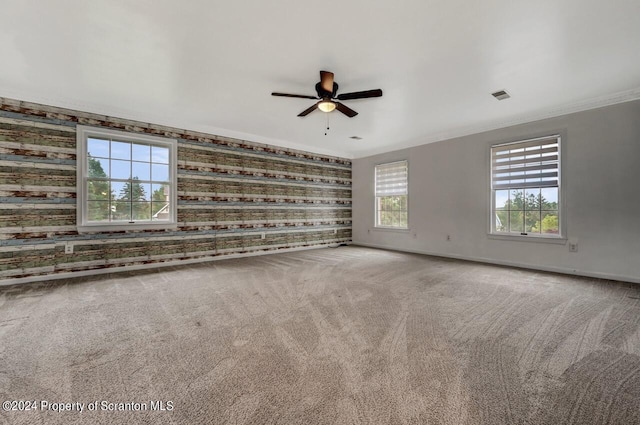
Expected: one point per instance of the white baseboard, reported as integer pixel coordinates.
(92, 272)
(82, 273)
(552, 269)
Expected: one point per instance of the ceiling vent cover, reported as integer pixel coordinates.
(501, 95)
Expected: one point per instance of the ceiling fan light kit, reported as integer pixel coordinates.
(327, 89)
(326, 106)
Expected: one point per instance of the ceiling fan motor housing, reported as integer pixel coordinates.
(323, 93)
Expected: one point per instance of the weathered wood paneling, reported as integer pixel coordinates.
(233, 197)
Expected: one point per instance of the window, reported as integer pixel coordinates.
(391, 195)
(525, 188)
(125, 181)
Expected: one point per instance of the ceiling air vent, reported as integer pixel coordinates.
(355, 138)
(501, 95)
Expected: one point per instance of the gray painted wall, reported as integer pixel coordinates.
(449, 195)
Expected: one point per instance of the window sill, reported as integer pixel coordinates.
(557, 240)
(392, 229)
(98, 228)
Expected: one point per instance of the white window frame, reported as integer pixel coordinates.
(82, 135)
(558, 238)
(377, 196)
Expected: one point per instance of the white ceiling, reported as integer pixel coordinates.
(211, 65)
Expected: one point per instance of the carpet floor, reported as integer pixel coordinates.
(349, 335)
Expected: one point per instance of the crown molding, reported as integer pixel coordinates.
(552, 112)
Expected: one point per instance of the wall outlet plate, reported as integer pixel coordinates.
(573, 245)
(68, 248)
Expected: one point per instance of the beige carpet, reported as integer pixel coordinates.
(333, 336)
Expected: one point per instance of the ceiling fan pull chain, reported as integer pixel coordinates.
(325, 133)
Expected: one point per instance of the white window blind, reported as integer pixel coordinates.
(526, 164)
(391, 179)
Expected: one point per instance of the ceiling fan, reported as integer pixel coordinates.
(327, 89)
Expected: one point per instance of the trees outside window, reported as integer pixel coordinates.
(528, 211)
(525, 184)
(99, 192)
(392, 188)
(392, 211)
(125, 181)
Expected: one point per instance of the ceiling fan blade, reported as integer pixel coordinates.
(360, 94)
(326, 81)
(301, 96)
(308, 110)
(346, 110)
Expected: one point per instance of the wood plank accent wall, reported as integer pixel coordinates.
(229, 192)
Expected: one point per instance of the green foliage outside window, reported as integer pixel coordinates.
(392, 211)
(99, 194)
(527, 212)
(130, 204)
(549, 224)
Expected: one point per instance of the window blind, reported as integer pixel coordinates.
(391, 179)
(530, 163)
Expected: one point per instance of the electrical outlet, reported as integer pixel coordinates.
(263, 235)
(68, 248)
(335, 231)
(449, 238)
(573, 245)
